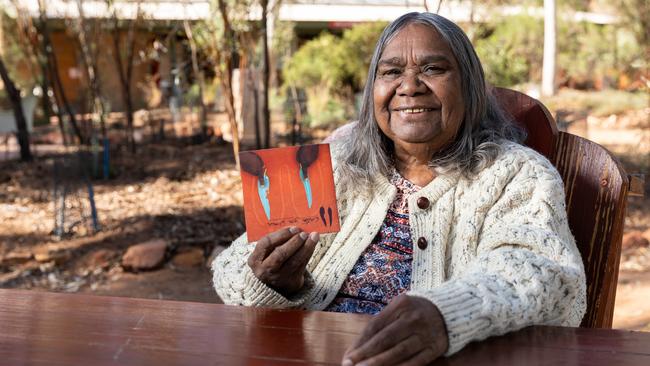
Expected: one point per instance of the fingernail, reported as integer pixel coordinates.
(314, 236)
(347, 362)
(294, 230)
(304, 235)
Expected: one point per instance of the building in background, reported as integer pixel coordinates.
(163, 57)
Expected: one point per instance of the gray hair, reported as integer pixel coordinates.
(368, 151)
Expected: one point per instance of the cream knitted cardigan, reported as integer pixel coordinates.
(500, 254)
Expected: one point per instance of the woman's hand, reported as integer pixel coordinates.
(409, 331)
(280, 259)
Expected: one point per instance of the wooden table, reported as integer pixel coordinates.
(39, 328)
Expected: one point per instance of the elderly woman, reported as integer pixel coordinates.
(451, 231)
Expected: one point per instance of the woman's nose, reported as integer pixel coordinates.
(411, 84)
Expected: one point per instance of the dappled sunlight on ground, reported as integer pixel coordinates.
(189, 196)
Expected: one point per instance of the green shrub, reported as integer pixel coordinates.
(585, 52)
(511, 51)
(330, 70)
(588, 55)
(358, 44)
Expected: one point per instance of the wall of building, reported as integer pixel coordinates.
(73, 75)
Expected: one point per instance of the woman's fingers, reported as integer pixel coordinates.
(379, 322)
(299, 260)
(265, 245)
(279, 259)
(380, 342)
(401, 352)
(282, 253)
(407, 322)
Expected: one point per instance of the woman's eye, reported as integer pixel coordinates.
(430, 69)
(391, 72)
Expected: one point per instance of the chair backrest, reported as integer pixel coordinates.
(596, 191)
(596, 187)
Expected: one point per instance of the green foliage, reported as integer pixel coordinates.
(283, 43)
(330, 69)
(511, 52)
(191, 96)
(334, 62)
(585, 50)
(325, 109)
(317, 68)
(636, 14)
(316, 64)
(211, 39)
(590, 53)
(358, 44)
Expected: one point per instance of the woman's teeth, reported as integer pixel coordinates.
(416, 110)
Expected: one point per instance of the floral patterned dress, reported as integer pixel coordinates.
(383, 271)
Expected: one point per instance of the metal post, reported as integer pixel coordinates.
(93, 209)
(106, 161)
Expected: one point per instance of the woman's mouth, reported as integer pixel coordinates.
(415, 110)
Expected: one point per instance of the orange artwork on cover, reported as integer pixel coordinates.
(288, 186)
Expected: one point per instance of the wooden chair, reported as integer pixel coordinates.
(596, 188)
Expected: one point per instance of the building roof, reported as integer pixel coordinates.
(296, 10)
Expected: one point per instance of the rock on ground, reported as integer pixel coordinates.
(101, 258)
(635, 239)
(191, 257)
(144, 256)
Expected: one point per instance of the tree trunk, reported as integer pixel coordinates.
(34, 45)
(21, 123)
(203, 119)
(48, 106)
(59, 93)
(270, 31)
(266, 115)
(53, 69)
(471, 29)
(129, 79)
(30, 48)
(126, 75)
(548, 67)
(226, 79)
(297, 116)
(258, 140)
(125, 86)
(226, 84)
(90, 64)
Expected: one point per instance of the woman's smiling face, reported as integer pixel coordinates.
(417, 91)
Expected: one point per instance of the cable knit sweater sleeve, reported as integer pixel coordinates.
(525, 268)
(236, 284)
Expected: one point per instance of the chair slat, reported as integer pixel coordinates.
(596, 189)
